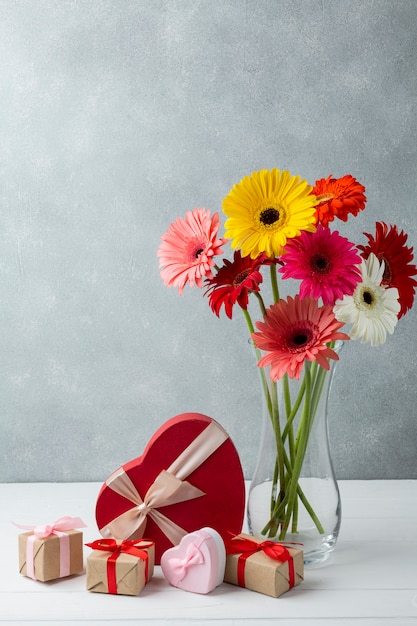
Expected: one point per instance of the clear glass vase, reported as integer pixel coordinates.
(293, 495)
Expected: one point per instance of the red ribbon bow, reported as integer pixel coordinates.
(247, 547)
(128, 546)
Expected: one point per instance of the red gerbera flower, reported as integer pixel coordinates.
(186, 254)
(296, 330)
(338, 197)
(234, 281)
(325, 262)
(389, 246)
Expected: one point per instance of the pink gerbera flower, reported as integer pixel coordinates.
(186, 254)
(296, 330)
(325, 262)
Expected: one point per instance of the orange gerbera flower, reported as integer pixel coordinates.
(338, 197)
(388, 245)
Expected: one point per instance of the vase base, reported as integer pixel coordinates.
(317, 550)
(316, 547)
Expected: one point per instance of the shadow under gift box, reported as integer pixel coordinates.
(47, 555)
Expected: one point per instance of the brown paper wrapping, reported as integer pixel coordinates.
(130, 572)
(264, 574)
(47, 555)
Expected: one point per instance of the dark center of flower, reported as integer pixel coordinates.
(198, 252)
(300, 338)
(320, 263)
(269, 216)
(367, 297)
(240, 278)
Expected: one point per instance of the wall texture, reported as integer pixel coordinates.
(118, 116)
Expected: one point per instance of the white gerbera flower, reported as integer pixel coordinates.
(372, 309)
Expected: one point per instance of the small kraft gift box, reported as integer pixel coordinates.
(52, 551)
(120, 567)
(268, 567)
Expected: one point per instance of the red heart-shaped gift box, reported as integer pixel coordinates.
(189, 476)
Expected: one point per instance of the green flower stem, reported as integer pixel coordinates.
(274, 283)
(294, 524)
(287, 395)
(272, 405)
(301, 446)
(279, 505)
(261, 303)
(290, 430)
(281, 508)
(311, 512)
(316, 395)
(293, 413)
(258, 354)
(278, 513)
(278, 441)
(286, 492)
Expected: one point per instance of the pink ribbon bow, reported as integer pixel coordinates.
(193, 556)
(60, 525)
(57, 528)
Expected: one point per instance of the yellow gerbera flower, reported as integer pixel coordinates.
(267, 208)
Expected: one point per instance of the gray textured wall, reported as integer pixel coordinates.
(119, 115)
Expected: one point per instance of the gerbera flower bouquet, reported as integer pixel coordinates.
(279, 224)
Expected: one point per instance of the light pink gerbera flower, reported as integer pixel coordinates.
(295, 330)
(186, 254)
(325, 262)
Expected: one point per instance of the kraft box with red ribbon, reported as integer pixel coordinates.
(188, 477)
(52, 551)
(268, 567)
(120, 567)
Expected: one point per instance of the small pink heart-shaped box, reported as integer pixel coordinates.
(197, 563)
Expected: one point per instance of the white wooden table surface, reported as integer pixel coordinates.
(371, 579)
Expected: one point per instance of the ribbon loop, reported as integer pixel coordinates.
(60, 525)
(180, 566)
(169, 487)
(135, 548)
(57, 528)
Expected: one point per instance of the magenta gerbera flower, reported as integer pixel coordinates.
(186, 254)
(326, 263)
(296, 330)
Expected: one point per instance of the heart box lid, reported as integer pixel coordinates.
(188, 476)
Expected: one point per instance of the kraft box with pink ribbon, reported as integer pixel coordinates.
(188, 477)
(51, 551)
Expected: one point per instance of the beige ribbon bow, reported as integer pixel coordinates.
(169, 487)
